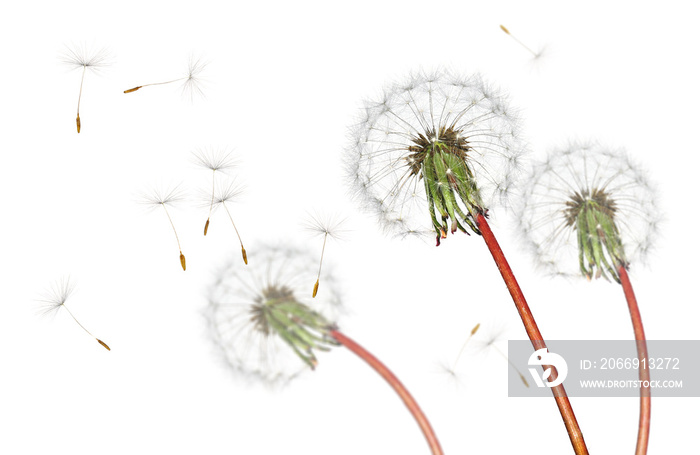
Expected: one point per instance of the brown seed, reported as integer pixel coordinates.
(476, 327)
(315, 289)
(505, 29)
(206, 227)
(103, 344)
(522, 378)
(182, 261)
(77, 122)
(133, 89)
(245, 256)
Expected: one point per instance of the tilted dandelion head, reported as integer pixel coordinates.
(588, 210)
(262, 318)
(434, 152)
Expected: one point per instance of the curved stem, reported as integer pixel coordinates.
(394, 382)
(562, 400)
(643, 355)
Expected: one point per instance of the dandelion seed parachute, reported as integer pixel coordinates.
(55, 299)
(81, 57)
(220, 160)
(324, 226)
(572, 181)
(219, 197)
(535, 55)
(164, 199)
(192, 82)
(433, 152)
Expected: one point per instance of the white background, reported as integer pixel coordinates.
(285, 81)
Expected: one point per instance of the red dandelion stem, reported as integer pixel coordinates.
(562, 400)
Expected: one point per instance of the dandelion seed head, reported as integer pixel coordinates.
(259, 315)
(404, 144)
(560, 190)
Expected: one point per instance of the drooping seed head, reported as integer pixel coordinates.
(262, 318)
(588, 210)
(433, 153)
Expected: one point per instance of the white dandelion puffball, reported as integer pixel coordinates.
(587, 173)
(248, 336)
(434, 147)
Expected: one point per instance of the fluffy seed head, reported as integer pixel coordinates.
(587, 210)
(433, 152)
(261, 319)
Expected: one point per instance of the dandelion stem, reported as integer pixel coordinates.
(394, 382)
(562, 400)
(643, 355)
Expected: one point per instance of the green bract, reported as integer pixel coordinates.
(599, 243)
(280, 314)
(441, 162)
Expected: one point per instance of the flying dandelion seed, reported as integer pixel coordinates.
(220, 197)
(464, 345)
(484, 341)
(325, 226)
(163, 199)
(215, 160)
(536, 55)
(80, 57)
(267, 331)
(589, 210)
(55, 299)
(488, 342)
(192, 81)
